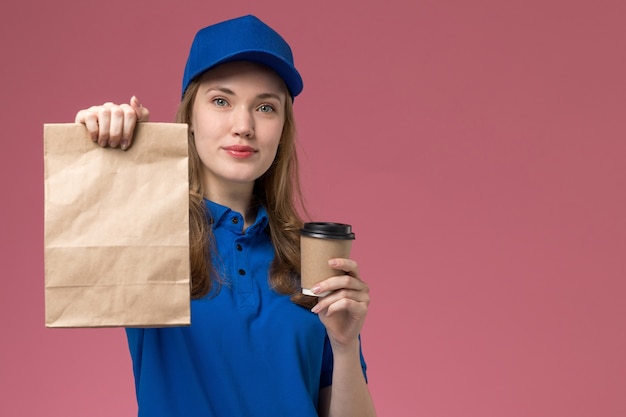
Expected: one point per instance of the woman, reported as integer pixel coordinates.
(251, 350)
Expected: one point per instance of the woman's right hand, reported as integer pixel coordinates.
(113, 124)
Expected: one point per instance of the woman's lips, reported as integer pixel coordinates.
(240, 151)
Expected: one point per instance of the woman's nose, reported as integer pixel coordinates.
(243, 123)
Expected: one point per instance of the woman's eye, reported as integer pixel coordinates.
(266, 108)
(220, 102)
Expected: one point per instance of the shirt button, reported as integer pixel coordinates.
(235, 220)
(242, 272)
(239, 247)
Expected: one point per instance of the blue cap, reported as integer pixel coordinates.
(245, 38)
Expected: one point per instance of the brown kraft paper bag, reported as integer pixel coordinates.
(116, 228)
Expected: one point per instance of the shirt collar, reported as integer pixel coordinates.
(221, 216)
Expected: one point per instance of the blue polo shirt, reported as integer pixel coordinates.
(249, 350)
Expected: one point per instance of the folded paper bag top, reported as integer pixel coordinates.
(116, 228)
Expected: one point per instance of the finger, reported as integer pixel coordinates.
(354, 307)
(343, 264)
(104, 124)
(340, 282)
(338, 298)
(89, 118)
(130, 120)
(116, 124)
(143, 114)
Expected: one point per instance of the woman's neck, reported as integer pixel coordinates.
(237, 197)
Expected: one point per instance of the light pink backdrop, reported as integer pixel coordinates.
(477, 147)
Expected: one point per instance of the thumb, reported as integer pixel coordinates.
(143, 114)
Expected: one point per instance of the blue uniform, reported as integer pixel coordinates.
(249, 350)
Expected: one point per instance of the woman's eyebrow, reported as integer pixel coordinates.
(265, 96)
(221, 89)
(262, 96)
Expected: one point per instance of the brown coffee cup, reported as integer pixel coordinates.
(319, 243)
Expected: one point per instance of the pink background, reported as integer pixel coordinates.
(478, 148)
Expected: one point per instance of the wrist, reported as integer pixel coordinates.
(352, 348)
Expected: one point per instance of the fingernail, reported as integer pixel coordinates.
(317, 289)
(333, 262)
(315, 309)
(124, 144)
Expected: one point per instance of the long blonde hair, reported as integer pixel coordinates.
(278, 190)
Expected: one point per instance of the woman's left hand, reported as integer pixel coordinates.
(343, 311)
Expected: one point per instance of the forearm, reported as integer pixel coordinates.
(343, 312)
(349, 394)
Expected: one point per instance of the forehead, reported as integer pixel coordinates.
(247, 74)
